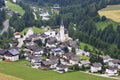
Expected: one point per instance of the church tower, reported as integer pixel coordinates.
(62, 32)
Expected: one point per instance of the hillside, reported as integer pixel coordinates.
(112, 12)
(22, 69)
(14, 7)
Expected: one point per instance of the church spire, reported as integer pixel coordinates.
(62, 22)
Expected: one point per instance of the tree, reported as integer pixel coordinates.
(73, 50)
(65, 49)
(103, 18)
(39, 42)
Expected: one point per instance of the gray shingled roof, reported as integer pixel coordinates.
(13, 52)
(97, 65)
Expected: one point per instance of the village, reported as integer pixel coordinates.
(55, 50)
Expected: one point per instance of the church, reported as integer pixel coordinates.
(60, 34)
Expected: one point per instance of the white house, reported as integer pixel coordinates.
(85, 63)
(82, 52)
(96, 67)
(74, 60)
(106, 59)
(111, 71)
(57, 51)
(62, 68)
(12, 55)
(29, 33)
(50, 33)
(17, 35)
(114, 63)
(36, 65)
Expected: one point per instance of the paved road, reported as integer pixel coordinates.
(6, 26)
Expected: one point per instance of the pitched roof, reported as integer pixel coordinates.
(69, 55)
(85, 62)
(34, 36)
(115, 61)
(51, 40)
(2, 51)
(73, 44)
(13, 51)
(75, 59)
(112, 68)
(106, 57)
(97, 64)
(62, 66)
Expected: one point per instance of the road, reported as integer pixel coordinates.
(6, 26)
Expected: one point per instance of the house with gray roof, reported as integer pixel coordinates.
(74, 60)
(62, 68)
(106, 58)
(114, 63)
(111, 71)
(96, 67)
(12, 55)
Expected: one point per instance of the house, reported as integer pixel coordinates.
(106, 59)
(43, 37)
(34, 37)
(36, 65)
(50, 33)
(30, 44)
(45, 64)
(12, 55)
(53, 64)
(51, 42)
(29, 33)
(68, 56)
(36, 59)
(74, 44)
(17, 35)
(61, 68)
(114, 63)
(2, 52)
(57, 51)
(111, 71)
(85, 63)
(74, 60)
(38, 50)
(82, 52)
(96, 67)
(13, 43)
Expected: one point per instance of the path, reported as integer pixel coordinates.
(6, 26)
(102, 75)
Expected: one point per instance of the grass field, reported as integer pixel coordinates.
(14, 7)
(22, 70)
(36, 30)
(84, 57)
(84, 44)
(112, 12)
(101, 25)
(8, 77)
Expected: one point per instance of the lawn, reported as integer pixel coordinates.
(84, 44)
(8, 77)
(14, 7)
(112, 12)
(35, 29)
(101, 25)
(21, 69)
(84, 57)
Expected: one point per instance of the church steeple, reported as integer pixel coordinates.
(62, 31)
